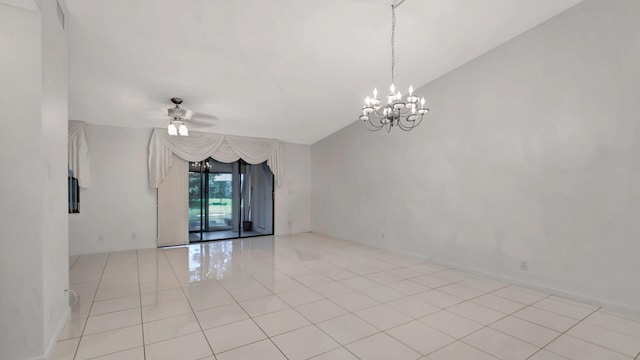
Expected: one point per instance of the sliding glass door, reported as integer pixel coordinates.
(229, 200)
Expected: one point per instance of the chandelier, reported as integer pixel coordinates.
(404, 113)
(177, 117)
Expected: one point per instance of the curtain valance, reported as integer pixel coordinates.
(78, 156)
(200, 146)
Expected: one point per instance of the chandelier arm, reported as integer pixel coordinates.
(371, 126)
(405, 127)
(410, 125)
(379, 112)
(419, 121)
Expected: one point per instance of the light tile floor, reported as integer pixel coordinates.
(310, 296)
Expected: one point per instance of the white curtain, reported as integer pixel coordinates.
(199, 146)
(79, 153)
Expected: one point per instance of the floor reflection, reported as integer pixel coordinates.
(210, 261)
(222, 259)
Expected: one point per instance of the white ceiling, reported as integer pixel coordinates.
(295, 70)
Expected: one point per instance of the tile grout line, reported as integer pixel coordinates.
(74, 263)
(405, 295)
(407, 345)
(312, 323)
(290, 307)
(251, 317)
(589, 342)
(324, 298)
(471, 300)
(366, 295)
(491, 292)
(91, 306)
(144, 347)
(464, 317)
(298, 312)
(189, 302)
(563, 333)
(540, 348)
(252, 274)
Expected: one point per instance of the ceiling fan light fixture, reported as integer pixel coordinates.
(176, 112)
(182, 130)
(173, 131)
(177, 116)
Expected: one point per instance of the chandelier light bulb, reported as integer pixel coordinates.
(410, 90)
(422, 102)
(392, 88)
(375, 93)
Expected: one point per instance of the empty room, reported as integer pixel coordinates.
(298, 179)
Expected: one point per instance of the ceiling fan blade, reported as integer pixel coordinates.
(202, 116)
(200, 123)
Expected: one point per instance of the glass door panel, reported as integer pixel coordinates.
(220, 201)
(257, 200)
(229, 201)
(195, 201)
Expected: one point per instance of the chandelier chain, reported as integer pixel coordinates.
(393, 37)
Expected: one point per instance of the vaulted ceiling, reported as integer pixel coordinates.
(295, 70)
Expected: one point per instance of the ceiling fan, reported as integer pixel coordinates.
(178, 118)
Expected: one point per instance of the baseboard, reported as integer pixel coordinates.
(54, 339)
(609, 305)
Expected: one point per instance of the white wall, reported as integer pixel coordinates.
(120, 202)
(21, 311)
(292, 198)
(530, 153)
(118, 211)
(55, 225)
(33, 153)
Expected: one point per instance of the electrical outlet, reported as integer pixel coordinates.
(524, 265)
